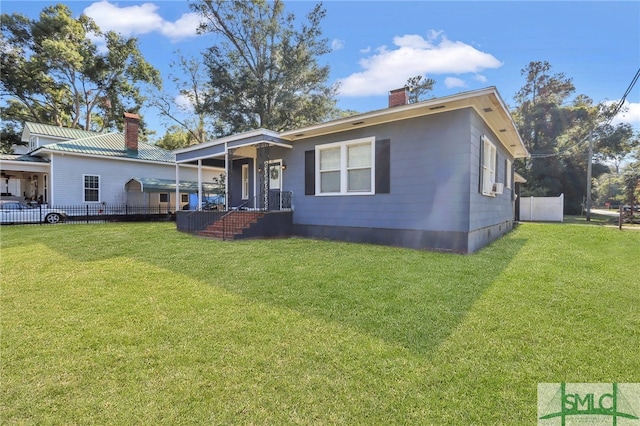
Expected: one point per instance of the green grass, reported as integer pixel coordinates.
(596, 219)
(140, 324)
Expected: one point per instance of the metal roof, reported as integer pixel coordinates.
(168, 185)
(23, 157)
(56, 131)
(110, 145)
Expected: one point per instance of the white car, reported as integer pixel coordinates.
(13, 211)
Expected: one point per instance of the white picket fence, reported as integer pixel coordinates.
(543, 209)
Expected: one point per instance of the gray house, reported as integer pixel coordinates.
(432, 175)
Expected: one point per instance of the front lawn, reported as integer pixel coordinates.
(140, 324)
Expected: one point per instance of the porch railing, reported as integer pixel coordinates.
(195, 221)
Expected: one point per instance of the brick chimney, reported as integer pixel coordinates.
(131, 125)
(398, 97)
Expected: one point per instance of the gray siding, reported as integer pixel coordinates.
(430, 175)
(67, 170)
(487, 211)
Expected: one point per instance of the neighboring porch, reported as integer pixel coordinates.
(26, 177)
(255, 202)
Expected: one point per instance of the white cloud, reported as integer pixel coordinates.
(481, 78)
(451, 82)
(414, 55)
(140, 19)
(630, 113)
(184, 103)
(186, 26)
(337, 44)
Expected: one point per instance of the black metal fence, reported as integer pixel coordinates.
(87, 213)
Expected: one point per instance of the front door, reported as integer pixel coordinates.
(275, 184)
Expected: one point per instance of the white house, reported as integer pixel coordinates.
(76, 167)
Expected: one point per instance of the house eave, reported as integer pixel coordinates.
(486, 102)
(219, 148)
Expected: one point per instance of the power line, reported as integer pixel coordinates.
(624, 97)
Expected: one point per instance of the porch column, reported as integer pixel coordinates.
(199, 185)
(228, 202)
(177, 200)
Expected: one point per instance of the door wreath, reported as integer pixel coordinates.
(274, 173)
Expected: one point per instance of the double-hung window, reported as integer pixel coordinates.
(489, 154)
(91, 188)
(345, 168)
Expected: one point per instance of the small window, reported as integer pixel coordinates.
(184, 198)
(164, 197)
(345, 168)
(507, 173)
(91, 188)
(489, 153)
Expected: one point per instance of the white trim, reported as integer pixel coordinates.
(508, 173)
(489, 166)
(232, 138)
(245, 180)
(343, 168)
(280, 177)
(84, 188)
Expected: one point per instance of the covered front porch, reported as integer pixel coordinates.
(253, 187)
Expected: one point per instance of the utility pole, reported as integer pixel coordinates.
(590, 156)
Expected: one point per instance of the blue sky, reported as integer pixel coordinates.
(377, 45)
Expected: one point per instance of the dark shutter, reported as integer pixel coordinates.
(310, 172)
(383, 166)
(481, 170)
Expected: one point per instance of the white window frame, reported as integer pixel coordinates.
(245, 181)
(84, 188)
(344, 169)
(489, 166)
(508, 173)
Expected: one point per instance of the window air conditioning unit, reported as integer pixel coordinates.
(498, 188)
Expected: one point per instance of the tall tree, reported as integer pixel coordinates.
(175, 138)
(615, 143)
(53, 71)
(541, 119)
(264, 71)
(557, 130)
(419, 87)
(190, 111)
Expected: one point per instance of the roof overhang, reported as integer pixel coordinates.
(218, 148)
(138, 184)
(486, 102)
(518, 178)
(24, 163)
